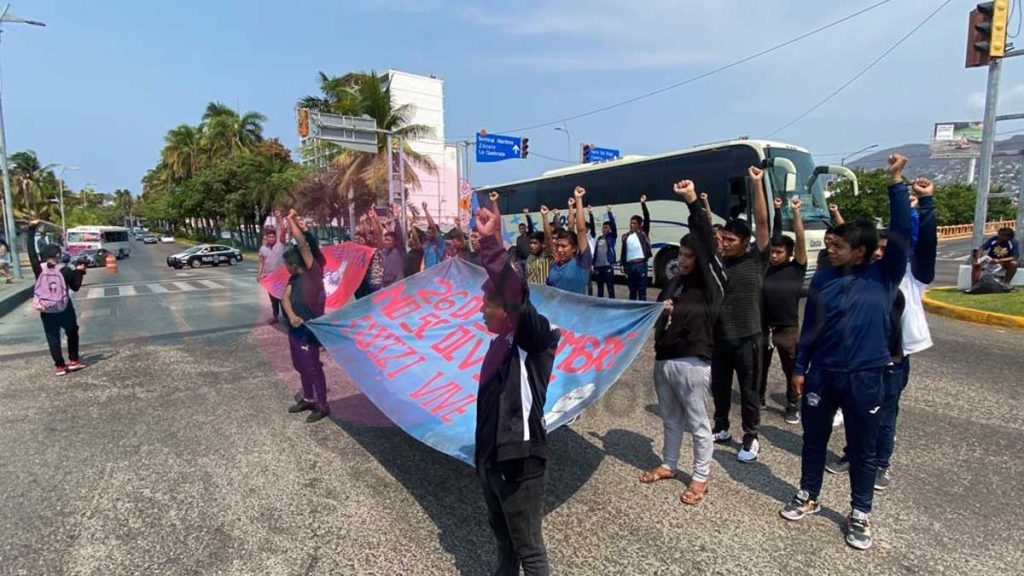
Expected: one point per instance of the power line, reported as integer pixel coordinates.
(699, 76)
(862, 72)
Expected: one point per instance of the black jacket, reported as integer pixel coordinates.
(643, 234)
(696, 298)
(502, 434)
(72, 277)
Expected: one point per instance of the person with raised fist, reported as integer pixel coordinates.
(573, 258)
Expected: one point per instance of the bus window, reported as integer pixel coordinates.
(739, 199)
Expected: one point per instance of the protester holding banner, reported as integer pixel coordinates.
(844, 352)
(780, 300)
(573, 258)
(304, 300)
(738, 334)
(684, 341)
(270, 259)
(511, 446)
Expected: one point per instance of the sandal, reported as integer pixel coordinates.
(659, 473)
(694, 497)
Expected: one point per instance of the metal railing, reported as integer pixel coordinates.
(965, 230)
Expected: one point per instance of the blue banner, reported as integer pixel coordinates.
(415, 349)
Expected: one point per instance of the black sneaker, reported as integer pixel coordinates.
(316, 416)
(792, 415)
(882, 479)
(300, 406)
(801, 505)
(839, 466)
(858, 530)
(764, 405)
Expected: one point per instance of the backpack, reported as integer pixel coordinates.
(51, 291)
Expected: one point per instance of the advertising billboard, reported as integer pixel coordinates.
(956, 140)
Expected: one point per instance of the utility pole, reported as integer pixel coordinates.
(988, 144)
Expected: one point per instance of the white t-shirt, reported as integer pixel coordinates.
(914, 323)
(272, 257)
(634, 249)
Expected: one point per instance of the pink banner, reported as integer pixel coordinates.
(346, 265)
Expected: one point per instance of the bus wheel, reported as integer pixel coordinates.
(666, 265)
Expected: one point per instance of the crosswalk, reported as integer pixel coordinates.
(163, 288)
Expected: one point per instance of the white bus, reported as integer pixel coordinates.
(115, 239)
(718, 169)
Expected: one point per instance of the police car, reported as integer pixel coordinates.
(205, 254)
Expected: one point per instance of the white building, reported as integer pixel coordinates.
(426, 94)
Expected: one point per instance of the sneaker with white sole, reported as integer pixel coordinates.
(751, 448)
(721, 437)
(792, 415)
(882, 479)
(801, 505)
(837, 420)
(840, 465)
(858, 530)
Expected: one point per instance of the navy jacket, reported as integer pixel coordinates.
(846, 318)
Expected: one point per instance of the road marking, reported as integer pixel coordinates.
(96, 293)
(156, 288)
(126, 290)
(210, 284)
(185, 286)
(95, 313)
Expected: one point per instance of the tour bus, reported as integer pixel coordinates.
(718, 169)
(115, 239)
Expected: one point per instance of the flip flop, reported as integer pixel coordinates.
(651, 476)
(691, 497)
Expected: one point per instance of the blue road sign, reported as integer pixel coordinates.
(598, 154)
(495, 147)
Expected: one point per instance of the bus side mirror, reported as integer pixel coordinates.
(835, 171)
(790, 168)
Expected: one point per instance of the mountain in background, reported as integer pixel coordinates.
(1005, 171)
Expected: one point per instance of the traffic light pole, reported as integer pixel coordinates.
(987, 147)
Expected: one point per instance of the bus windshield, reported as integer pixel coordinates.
(814, 210)
(80, 236)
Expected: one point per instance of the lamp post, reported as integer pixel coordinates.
(12, 232)
(568, 141)
(60, 184)
(864, 149)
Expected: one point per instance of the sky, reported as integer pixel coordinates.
(100, 86)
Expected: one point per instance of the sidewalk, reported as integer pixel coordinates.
(13, 295)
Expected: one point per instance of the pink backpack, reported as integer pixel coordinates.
(51, 291)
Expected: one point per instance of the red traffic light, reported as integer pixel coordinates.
(524, 147)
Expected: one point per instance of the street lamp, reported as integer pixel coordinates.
(568, 141)
(11, 231)
(864, 149)
(60, 183)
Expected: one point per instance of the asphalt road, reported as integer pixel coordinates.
(173, 454)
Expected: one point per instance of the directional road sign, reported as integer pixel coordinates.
(495, 147)
(598, 154)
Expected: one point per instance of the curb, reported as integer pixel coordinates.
(10, 303)
(971, 315)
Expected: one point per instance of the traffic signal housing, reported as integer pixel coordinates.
(585, 153)
(303, 121)
(524, 147)
(986, 32)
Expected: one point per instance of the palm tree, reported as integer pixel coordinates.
(182, 152)
(226, 131)
(37, 184)
(338, 96)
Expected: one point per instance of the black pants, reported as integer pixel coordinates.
(52, 325)
(605, 278)
(742, 357)
(784, 341)
(275, 306)
(515, 509)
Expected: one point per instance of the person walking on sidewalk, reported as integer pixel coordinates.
(783, 284)
(684, 339)
(52, 298)
(636, 251)
(738, 333)
(270, 259)
(843, 354)
(511, 443)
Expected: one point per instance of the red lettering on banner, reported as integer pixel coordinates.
(581, 352)
(452, 342)
(428, 296)
(444, 397)
(468, 360)
(469, 309)
(605, 359)
(428, 321)
(449, 302)
(397, 304)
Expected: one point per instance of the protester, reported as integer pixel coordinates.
(843, 353)
(5, 261)
(511, 447)
(571, 270)
(522, 247)
(783, 284)
(604, 256)
(738, 334)
(636, 250)
(52, 298)
(538, 264)
(1003, 250)
(433, 244)
(683, 346)
(909, 333)
(837, 219)
(414, 255)
(270, 259)
(304, 300)
(393, 248)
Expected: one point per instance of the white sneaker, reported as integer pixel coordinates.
(749, 454)
(721, 436)
(837, 420)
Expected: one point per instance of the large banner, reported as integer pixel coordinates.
(415, 349)
(346, 265)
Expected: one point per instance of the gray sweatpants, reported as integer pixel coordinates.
(683, 386)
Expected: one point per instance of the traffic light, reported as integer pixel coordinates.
(986, 32)
(303, 118)
(585, 152)
(524, 147)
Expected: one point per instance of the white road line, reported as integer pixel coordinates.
(185, 286)
(156, 288)
(126, 290)
(95, 313)
(210, 284)
(96, 293)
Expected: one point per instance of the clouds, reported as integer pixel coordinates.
(1011, 98)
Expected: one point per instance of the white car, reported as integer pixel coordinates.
(167, 239)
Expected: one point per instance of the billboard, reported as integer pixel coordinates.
(956, 140)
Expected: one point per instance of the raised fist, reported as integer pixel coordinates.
(590, 209)
(923, 187)
(643, 198)
(833, 208)
(755, 173)
(778, 203)
(913, 201)
(424, 204)
(543, 210)
(579, 192)
(277, 212)
(572, 202)
(795, 203)
(526, 210)
(685, 189)
(897, 162)
(493, 196)
(704, 197)
(292, 214)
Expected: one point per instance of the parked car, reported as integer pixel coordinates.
(92, 258)
(149, 239)
(205, 254)
(167, 239)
